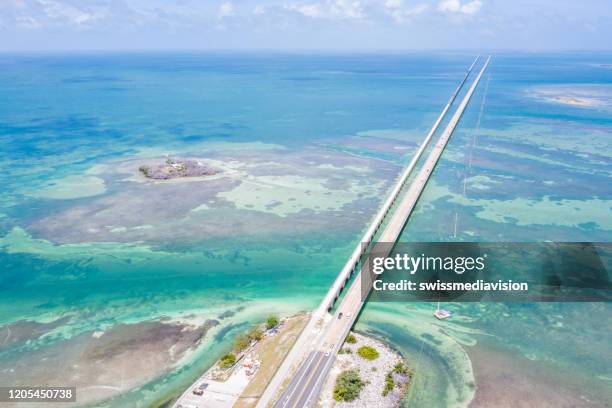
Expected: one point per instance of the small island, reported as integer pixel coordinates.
(176, 168)
(366, 374)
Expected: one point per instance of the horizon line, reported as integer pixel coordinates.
(300, 50)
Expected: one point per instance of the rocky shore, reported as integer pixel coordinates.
(385, 378)
(177, 168)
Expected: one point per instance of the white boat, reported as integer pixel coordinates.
(442, 313)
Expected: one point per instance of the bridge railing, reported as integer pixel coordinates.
(346, 272)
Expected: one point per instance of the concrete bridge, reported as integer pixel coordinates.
(351, 264)
(311, 358)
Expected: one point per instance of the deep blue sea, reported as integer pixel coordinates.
(101, 268)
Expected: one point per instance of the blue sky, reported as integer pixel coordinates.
(305, 24)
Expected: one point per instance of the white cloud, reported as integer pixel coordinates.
(393, 4)
(28, 22)
(455, 6)
(309, 10)
(259, 10)
(71, 14)
(472, 7)
(330, 9)
(449, 5)
(347, 8)
(397, 10)
(226, 10)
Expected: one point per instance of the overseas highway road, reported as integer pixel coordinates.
(307, 381)
(324, 334)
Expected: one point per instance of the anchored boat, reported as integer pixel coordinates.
(442, 313)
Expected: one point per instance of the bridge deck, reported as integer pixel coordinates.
(322, 338)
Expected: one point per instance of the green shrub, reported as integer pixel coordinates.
(144, 170)
(389, 383)
(400, 368)
(345, 350)
(241, 342)
(367, 352)
(350, 339)
(348, 386)
(255, 333)
(271, 322)
(227, 360)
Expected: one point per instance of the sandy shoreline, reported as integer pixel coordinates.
(581, 96)
(103, 364)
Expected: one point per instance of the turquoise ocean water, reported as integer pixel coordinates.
(308, 146)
